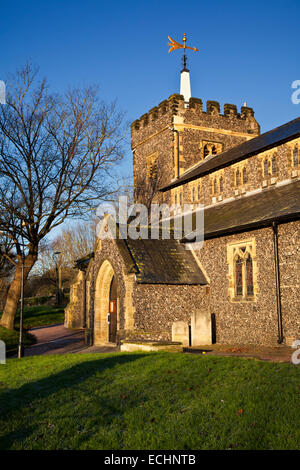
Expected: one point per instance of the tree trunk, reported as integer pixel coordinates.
(14, 292)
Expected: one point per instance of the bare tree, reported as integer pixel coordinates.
(74, 242)
(56, 157)
(146, 188)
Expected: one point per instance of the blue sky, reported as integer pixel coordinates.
(249, 51)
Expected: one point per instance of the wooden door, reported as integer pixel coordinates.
(113, 312)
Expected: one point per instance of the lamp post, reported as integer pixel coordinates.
(21, 345)
(57, 283)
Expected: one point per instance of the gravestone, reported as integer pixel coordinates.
(180, 332)
(201, 328)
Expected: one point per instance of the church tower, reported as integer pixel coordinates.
(179, 133)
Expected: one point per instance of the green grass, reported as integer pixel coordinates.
(36, 316)
(42, 315)
(11, 339)
(148, 401)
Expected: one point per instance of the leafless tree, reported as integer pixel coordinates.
(146, 188)
(56, 158)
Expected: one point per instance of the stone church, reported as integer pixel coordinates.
(242, 285)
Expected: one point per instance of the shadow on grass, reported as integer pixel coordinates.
(67, 378)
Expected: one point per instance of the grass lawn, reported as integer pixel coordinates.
(148, 401)
(33, 317)
(41, 315)
(11, 339)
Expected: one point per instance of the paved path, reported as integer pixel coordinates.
(56, 339)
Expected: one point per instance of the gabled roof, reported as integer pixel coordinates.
(266, 141)
(164, 262)
(277, 204)
(153, 261)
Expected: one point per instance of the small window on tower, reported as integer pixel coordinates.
(210, 148)
(152, 164)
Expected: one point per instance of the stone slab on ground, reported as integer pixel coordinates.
(280, 353)
(150, 346)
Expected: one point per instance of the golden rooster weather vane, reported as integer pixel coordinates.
(176, 45)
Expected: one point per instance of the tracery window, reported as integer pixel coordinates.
(242, 270)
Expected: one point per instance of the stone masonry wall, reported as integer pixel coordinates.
(159, 305)
(255, 321)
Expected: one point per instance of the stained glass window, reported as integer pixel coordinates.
(249, 275)
(238, 276)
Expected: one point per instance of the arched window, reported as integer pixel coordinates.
(245, 177)
(295, 156)
(199, 192)
(249, 275)
(274, 165)
(237, 177)
(215, 186)
(221, 184)
(266, 168)
(213, 150)
(238, 276)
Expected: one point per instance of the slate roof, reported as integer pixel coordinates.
(276, 204)
(156, 261)
(266, 141)
(164, 262)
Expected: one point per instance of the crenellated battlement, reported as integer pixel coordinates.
(175, 105)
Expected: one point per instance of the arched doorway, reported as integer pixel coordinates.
(113, 297)
(106, 305)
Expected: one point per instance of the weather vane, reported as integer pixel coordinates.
(175, 45)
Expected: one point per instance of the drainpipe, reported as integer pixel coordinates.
(277, 276)
(177, 148)
(84, 299)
